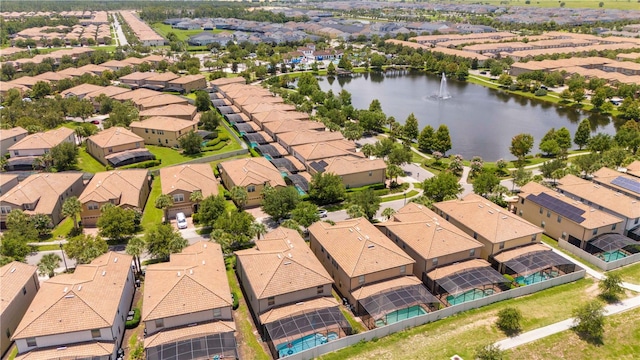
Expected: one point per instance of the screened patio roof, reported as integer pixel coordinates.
(299, 181)
(612, 242)
(470, 279)
(129, 157)
(380, 304)
(536, 261)
(294, 326)
(234, 118)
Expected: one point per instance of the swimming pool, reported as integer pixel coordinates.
(613, 255)
(535, 277)
(300, 191)
(399, 315)
(304, 343)
(468, 296)
(268, 157)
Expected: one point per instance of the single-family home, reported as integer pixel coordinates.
(180, 182)
(159, 81)
(187, 84)
(354, 171)
(19, 286)
(41, 194)
(23, 153)
(159, 101)
(187, 307)
(626, 184)
(136, 79)
(125, 188)
(112, 141)
(7, 182)
(252, 174)
(302, 137)
(311, 152)
(276, 128)
(9, 137)
(81, 90)
(180, 111)
(162, 130)
(79, 315)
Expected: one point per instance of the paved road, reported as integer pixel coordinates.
(121, 40)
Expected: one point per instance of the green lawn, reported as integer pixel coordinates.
(554, 244)
(630, 273)
(152, 216)
(592, 4)
(462, 333)
(621, 341)
(63, 229)
(13, 353)
(248, 344)
(48, 247)
(409, 195)
(88, 163)
(183, 35)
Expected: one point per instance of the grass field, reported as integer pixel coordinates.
(621, 341)
(152, 216)
(63, 229)
(462, 333)
(183, 35)
(594, 4)
(630, 273)
(88, 163)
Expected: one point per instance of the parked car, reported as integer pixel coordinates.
(181, 219)
(322, 213)
(95, 122)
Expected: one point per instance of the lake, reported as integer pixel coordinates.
(481, 121)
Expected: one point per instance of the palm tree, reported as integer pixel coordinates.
(196, 197)
(394, 171)
(72, 207)
(164, 202)
(135, 247)
(388, 213)
(355, 211)
(258, 229)
(239, 196)
(48, 264)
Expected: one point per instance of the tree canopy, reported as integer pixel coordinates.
(84, 248)
(278, 202)
(163, 240)
(326, 188)
(442, 186)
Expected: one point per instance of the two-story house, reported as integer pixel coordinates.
(252, 174)
(8, 137)
(188, 300)
(112, 141)
(19, 286)
(181, 181)
(162, 130)
(25, 151)
(79, 315)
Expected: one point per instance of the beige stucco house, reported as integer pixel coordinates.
(112, 140)
(19, 286)
(162, 130)
(181, 181)
(252, 174)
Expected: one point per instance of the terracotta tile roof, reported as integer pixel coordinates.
(187, 79)
(281, 263)
(606, 176)
(514, 253)
(87, 299)
(447, 270)
(135, 76)
(27, 81)
(166, 76)
(173, 110)
(7, 178)
(278, 313)
(251, 99)
(309, 136)
(252, 171)
(279, 115)
(45, 189)
(163, 123)
(115, 136)
(634, 168)
(133, 61)
(227, 81)
(427, 233)
(193, 280)
(109, 91)
(122, 185)
(188, 332)
(266, 107)
(324, 150)
(13, 277)
(52, 76)
(234, 91)
(159, 100)
(289, 125)
(43, 140)
(345, 165)
(189, 178)
(9, 133)
(74, 72)
(70, 351)
(600, 195)
(358, 247)
(487, 219)
(593, 218)
(82, 90)
(371, 289)
(136, 95)
(115, 63)
(96, 69)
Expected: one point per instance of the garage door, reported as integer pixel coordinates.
(185, 209)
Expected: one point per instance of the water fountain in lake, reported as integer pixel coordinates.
(444, 91)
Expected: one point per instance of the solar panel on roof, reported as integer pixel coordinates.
(626, 183)
(558, 206)
(317, 166)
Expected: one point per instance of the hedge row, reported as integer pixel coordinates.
(216, 147)
(217, 140)
(143, 165)
(135, 321)
(379, 186)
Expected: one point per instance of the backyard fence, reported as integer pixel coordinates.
(594, 260)
(433, 316)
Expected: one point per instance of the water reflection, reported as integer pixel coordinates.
(481, 121)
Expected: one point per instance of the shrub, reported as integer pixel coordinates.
(236, 302)
(133, 323)
(541, 92)
(509, 320)
(508, 277)
(143, 165)
(253, 152)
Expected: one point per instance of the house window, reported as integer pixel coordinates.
(251, 188)
(534, 237)
(548, 213)
(361, 279)
(446, 217)
(92, 206)
(5, 209)
(434, 262)
(501, 246)
(159, 323)
(475, 235)
(520, 213)
(595, 231)
(403, 269)
(564, 235)
(271, 301)
(559, 218)
(320, 289)
(24, 290)
(137, 145)
(166, 141)
(472, 252)
(522, 201)
(541, 210)
(153, 131)
(178, 197)
(636, 221)
(16, 152)
(370, 173)
(217, 313)
(160, 132)
(31, 342)
(146, 131)
(543, 224)
(8, 333)
(613, 227)
(179, 132)
(95, 333)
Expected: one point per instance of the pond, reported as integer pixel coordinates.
(481, 121)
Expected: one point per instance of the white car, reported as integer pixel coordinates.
(322, 213)
(181, 220)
